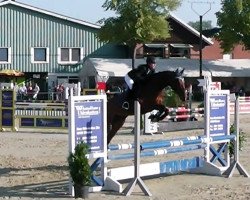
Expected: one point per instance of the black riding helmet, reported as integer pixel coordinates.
(150, 59)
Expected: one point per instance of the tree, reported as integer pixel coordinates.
(137, 22)
(205, 25)
(234, 20)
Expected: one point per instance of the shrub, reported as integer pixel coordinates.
(171, 98)
(242, 140)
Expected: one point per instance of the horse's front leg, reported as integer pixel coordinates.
(160, 115)
(116, 124)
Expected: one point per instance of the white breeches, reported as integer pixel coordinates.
(129, 82)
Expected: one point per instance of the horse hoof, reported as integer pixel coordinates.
(151, 117)
(154, 120)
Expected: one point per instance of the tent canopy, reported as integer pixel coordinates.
(11, 73)
(119, 67)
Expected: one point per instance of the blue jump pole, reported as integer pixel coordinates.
(184, 141)
(171, 143)
(114, 147)
(157, 152)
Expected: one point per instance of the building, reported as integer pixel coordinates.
(51, 48)
(48, 47)
(215, 52)
(183, 42)
(232, 69)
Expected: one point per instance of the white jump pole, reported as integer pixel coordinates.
(236, 162)
(137, 179)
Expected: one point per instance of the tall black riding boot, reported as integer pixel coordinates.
(125, 104)
(135, 92)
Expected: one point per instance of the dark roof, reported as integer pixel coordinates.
(185, 32)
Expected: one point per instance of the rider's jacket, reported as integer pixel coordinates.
(138, 74)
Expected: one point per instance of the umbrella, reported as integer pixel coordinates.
(11, 73)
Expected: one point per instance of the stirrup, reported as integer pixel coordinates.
(125, 105)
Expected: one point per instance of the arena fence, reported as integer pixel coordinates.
(49, 114)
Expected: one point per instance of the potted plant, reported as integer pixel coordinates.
(80, 170)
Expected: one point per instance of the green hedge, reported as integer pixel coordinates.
(171, 98)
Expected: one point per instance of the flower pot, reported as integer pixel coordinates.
(81, 191)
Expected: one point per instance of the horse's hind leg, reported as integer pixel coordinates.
(116, 124)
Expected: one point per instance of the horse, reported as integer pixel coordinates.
(150, 97)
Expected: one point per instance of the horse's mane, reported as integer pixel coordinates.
(167, 73)
(160, 79)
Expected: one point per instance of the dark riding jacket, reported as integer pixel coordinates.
(140, 73)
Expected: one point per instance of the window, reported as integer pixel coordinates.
(157, 50)
(5, 55)
(64, 55)
(76, 55)
(180, 50)
(39, 55)
(70, 55)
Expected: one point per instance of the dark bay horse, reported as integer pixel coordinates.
(151, 98)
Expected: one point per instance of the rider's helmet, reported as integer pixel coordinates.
(150, 59)
(151, 63)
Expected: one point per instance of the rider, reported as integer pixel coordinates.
(135, 78)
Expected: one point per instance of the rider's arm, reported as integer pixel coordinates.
(138, 74)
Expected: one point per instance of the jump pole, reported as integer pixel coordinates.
(236, 163)
(137, 179)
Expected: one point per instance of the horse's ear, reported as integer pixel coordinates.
(179, 72)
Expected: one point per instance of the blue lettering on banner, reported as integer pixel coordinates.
(46, 122)
(218, 115)
(89, 124)
(27, 122)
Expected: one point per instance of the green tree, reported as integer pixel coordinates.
(205, 25)
(234, 20)
(137, 22)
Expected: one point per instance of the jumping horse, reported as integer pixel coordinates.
(151, 98)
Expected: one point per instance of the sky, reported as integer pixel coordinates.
(92, 11)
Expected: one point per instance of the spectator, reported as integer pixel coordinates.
(22, 91)
(29, 91)
(36, 91)
(59, 92)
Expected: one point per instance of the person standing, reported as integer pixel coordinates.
(22, 91)
(36, 90)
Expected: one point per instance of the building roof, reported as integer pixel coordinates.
(216, 68)
(172, 16)
(43, 11)
(190, 28)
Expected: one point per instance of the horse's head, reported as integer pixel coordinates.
(179, 85)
